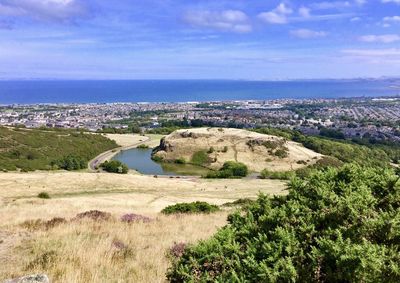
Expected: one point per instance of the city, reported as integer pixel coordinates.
(377, 118)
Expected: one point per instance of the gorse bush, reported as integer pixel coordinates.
(200, 158)
(43, 195)
(340, 225)
(115, 166)
(71, 163)
(194, 207)
(143, 146)
(242, 202)
(230, 169)
(287, 175)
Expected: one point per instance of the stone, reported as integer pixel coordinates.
(37, 278)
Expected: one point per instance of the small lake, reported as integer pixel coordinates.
(140, 160)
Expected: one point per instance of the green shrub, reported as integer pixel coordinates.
(230, 169)
(180, 161)
(238, 169)
(200, 158)
(43, 195)
(266, 174)
(70, 163)
(157, 158)
(143, 146)
(211, 150)
(242, 202)
(339, 225)
(115, 166)
(225, 149)
(281, 152)
(194, 207)
(272, 144)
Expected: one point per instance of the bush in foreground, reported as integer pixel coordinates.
(115, 166)
(193, 207)
(340, 225)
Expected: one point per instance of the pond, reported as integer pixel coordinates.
(140, 160)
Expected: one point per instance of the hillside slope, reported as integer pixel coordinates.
(213, 146)
(35, 149)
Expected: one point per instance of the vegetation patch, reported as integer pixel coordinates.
(115, 166)
(41, 149)
(180, 161)
(43, 195)
(132, 218)
(339, 225)
(230, 169)
(266, 174)
(200, 158)
(177, 250)
(143, 146)
(94, 215)
(193, 207)
(157, 158)
(70, 163)
(243, 202)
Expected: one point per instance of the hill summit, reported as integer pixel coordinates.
(211, 147)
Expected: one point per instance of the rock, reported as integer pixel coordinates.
(37, 278)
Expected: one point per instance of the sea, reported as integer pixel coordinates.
(108, 91)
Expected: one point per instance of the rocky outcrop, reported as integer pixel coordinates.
(37, 278)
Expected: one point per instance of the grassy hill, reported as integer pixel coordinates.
(212, 147)
(34, 149)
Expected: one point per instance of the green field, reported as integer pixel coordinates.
(37, 149)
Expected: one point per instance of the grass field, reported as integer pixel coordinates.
(109, 251)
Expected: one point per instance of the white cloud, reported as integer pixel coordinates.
(355, 19)
(228, 20)
(277, 15)
(307, 33)
(391, 1)
(392, 19)
(304, 12)
(388, 21)
(373, 52)
(386, 38)
(327, 5)
(47, 10)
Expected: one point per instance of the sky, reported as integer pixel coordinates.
(199, 39)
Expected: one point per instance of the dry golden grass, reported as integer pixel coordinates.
(83, 252)
(72, 192)
(86, 251)
(126, 139)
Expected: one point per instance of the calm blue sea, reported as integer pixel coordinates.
(27, 92)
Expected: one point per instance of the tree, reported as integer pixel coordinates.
(115, 166)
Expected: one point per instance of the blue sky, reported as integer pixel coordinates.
(199, 39)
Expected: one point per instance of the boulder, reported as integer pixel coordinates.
(36, 278)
